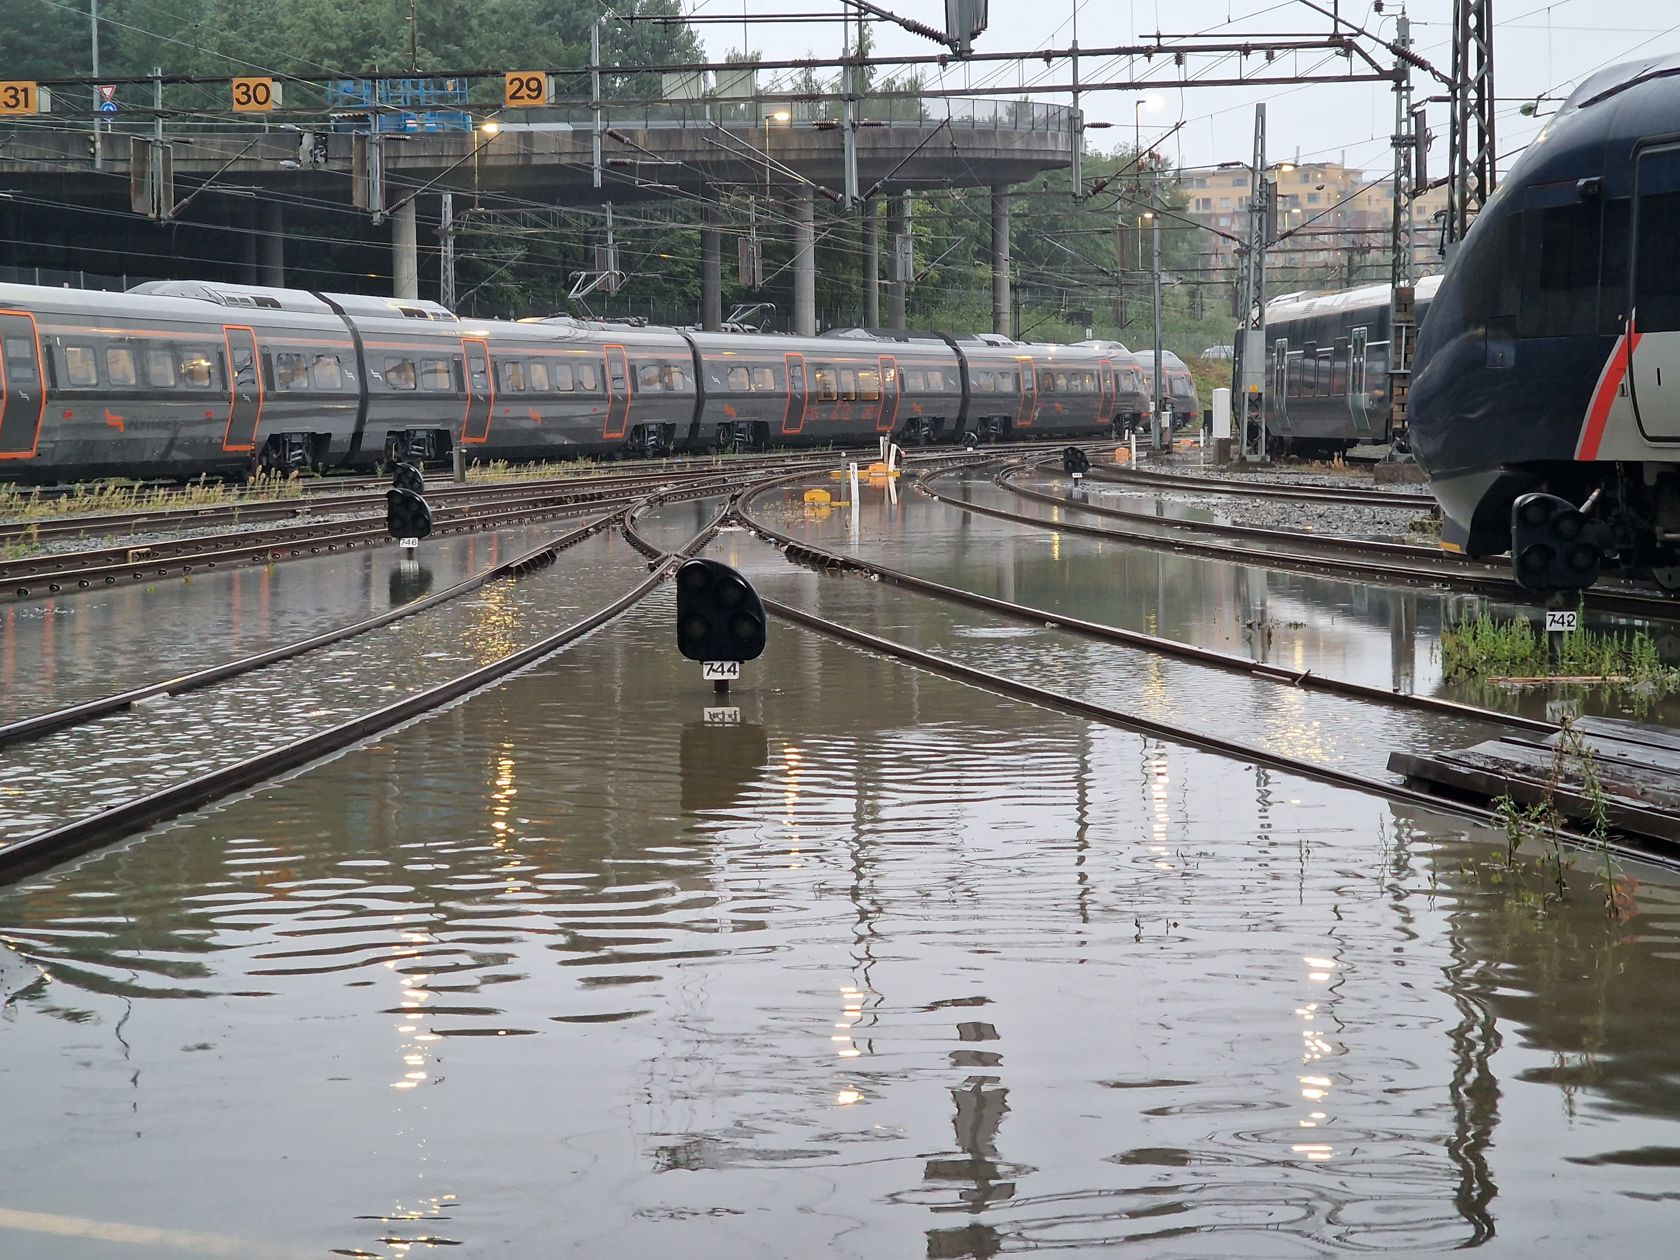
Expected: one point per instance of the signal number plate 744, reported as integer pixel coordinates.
(721, 671)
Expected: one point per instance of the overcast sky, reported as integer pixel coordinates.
(1540, 50)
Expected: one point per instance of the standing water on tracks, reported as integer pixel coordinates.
(885, 966)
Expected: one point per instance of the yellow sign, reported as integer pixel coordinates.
(255, 95)
(522, 89)
(22, 98)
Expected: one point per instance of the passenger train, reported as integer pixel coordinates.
(1549, 365)
(179, 378)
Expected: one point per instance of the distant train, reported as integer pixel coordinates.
(178, 378)
(1327, 383)
(1545, 399)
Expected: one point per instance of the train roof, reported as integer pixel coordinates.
(1615, 79)
(1308, 302)
(263, 297)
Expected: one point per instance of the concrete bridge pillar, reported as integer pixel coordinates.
(898, 275)
(871, 266)
(271, 246)
(1000, 259)
(405, 253)
(711, 271)
(804, 267)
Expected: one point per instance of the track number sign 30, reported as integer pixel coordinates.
(254, 95)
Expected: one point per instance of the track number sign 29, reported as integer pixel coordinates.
(522, 89)
(255, 95)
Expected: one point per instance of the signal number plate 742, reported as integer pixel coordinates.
(721, 671)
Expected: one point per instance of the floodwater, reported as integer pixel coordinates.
(63, 649)
(1365, 632)
(857, 961)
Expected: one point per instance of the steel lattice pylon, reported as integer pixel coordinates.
(1472, 140)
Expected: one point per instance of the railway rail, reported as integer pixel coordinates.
(1172, 482)
(55, 844)
(1314, 553)
(804, 553)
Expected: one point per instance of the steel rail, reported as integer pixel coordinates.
(1410, 551)
(1175, 482)
(90, 710)
(360, 495)
(49, 847)
(1627, 603)
(829, 561)
(1247, 753)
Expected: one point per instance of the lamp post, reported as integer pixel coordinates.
(1151, 103)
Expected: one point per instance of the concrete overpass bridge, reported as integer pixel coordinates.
(242, 204)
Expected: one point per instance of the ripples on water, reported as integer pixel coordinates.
(890, 967)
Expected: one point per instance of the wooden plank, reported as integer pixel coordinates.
(1463, 780)
(1629, 732)
(1650, 788)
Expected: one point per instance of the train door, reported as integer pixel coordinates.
(887, 420)
(481, 394)
(1105, 384)
(1359, 405)
(1029, 392)
(793, 416)
(245, 390)
(1280, 383)
(22, 395)
(1654, 330)
(618, 392)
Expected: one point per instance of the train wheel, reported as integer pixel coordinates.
(1667, 576)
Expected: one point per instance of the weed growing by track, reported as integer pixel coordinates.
(99, 498)
(1486, 648)
(1542, 821)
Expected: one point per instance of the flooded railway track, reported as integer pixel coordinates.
(88, 830)
(801, 552)
(1321, 554)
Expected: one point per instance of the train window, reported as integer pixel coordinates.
(848, 384)
(588, 378)
(824, 378)
(328, 373)
(740, 380)
(511, 373)
(766, 378)
(564, 381)
(647, 378)
(675, 379)
(1046, 382)
(1656, 277)
(869, 385)
(1297, 370)
(120, 367)
(399, 375)
(1007, 382)
(435, 376)
(290, 372)
(536, 372)
(1322, 377)
(983, 382)
(1612, 287)
(195, 368)
(1559, 268)
(936, 379)
(81, 368)
(914, 378)
(160, 368)
(1339, 369)
(1090, 382)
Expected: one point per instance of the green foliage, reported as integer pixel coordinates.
(1484, 646)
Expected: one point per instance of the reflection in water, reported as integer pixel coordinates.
(408, 581)
(566, 968)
